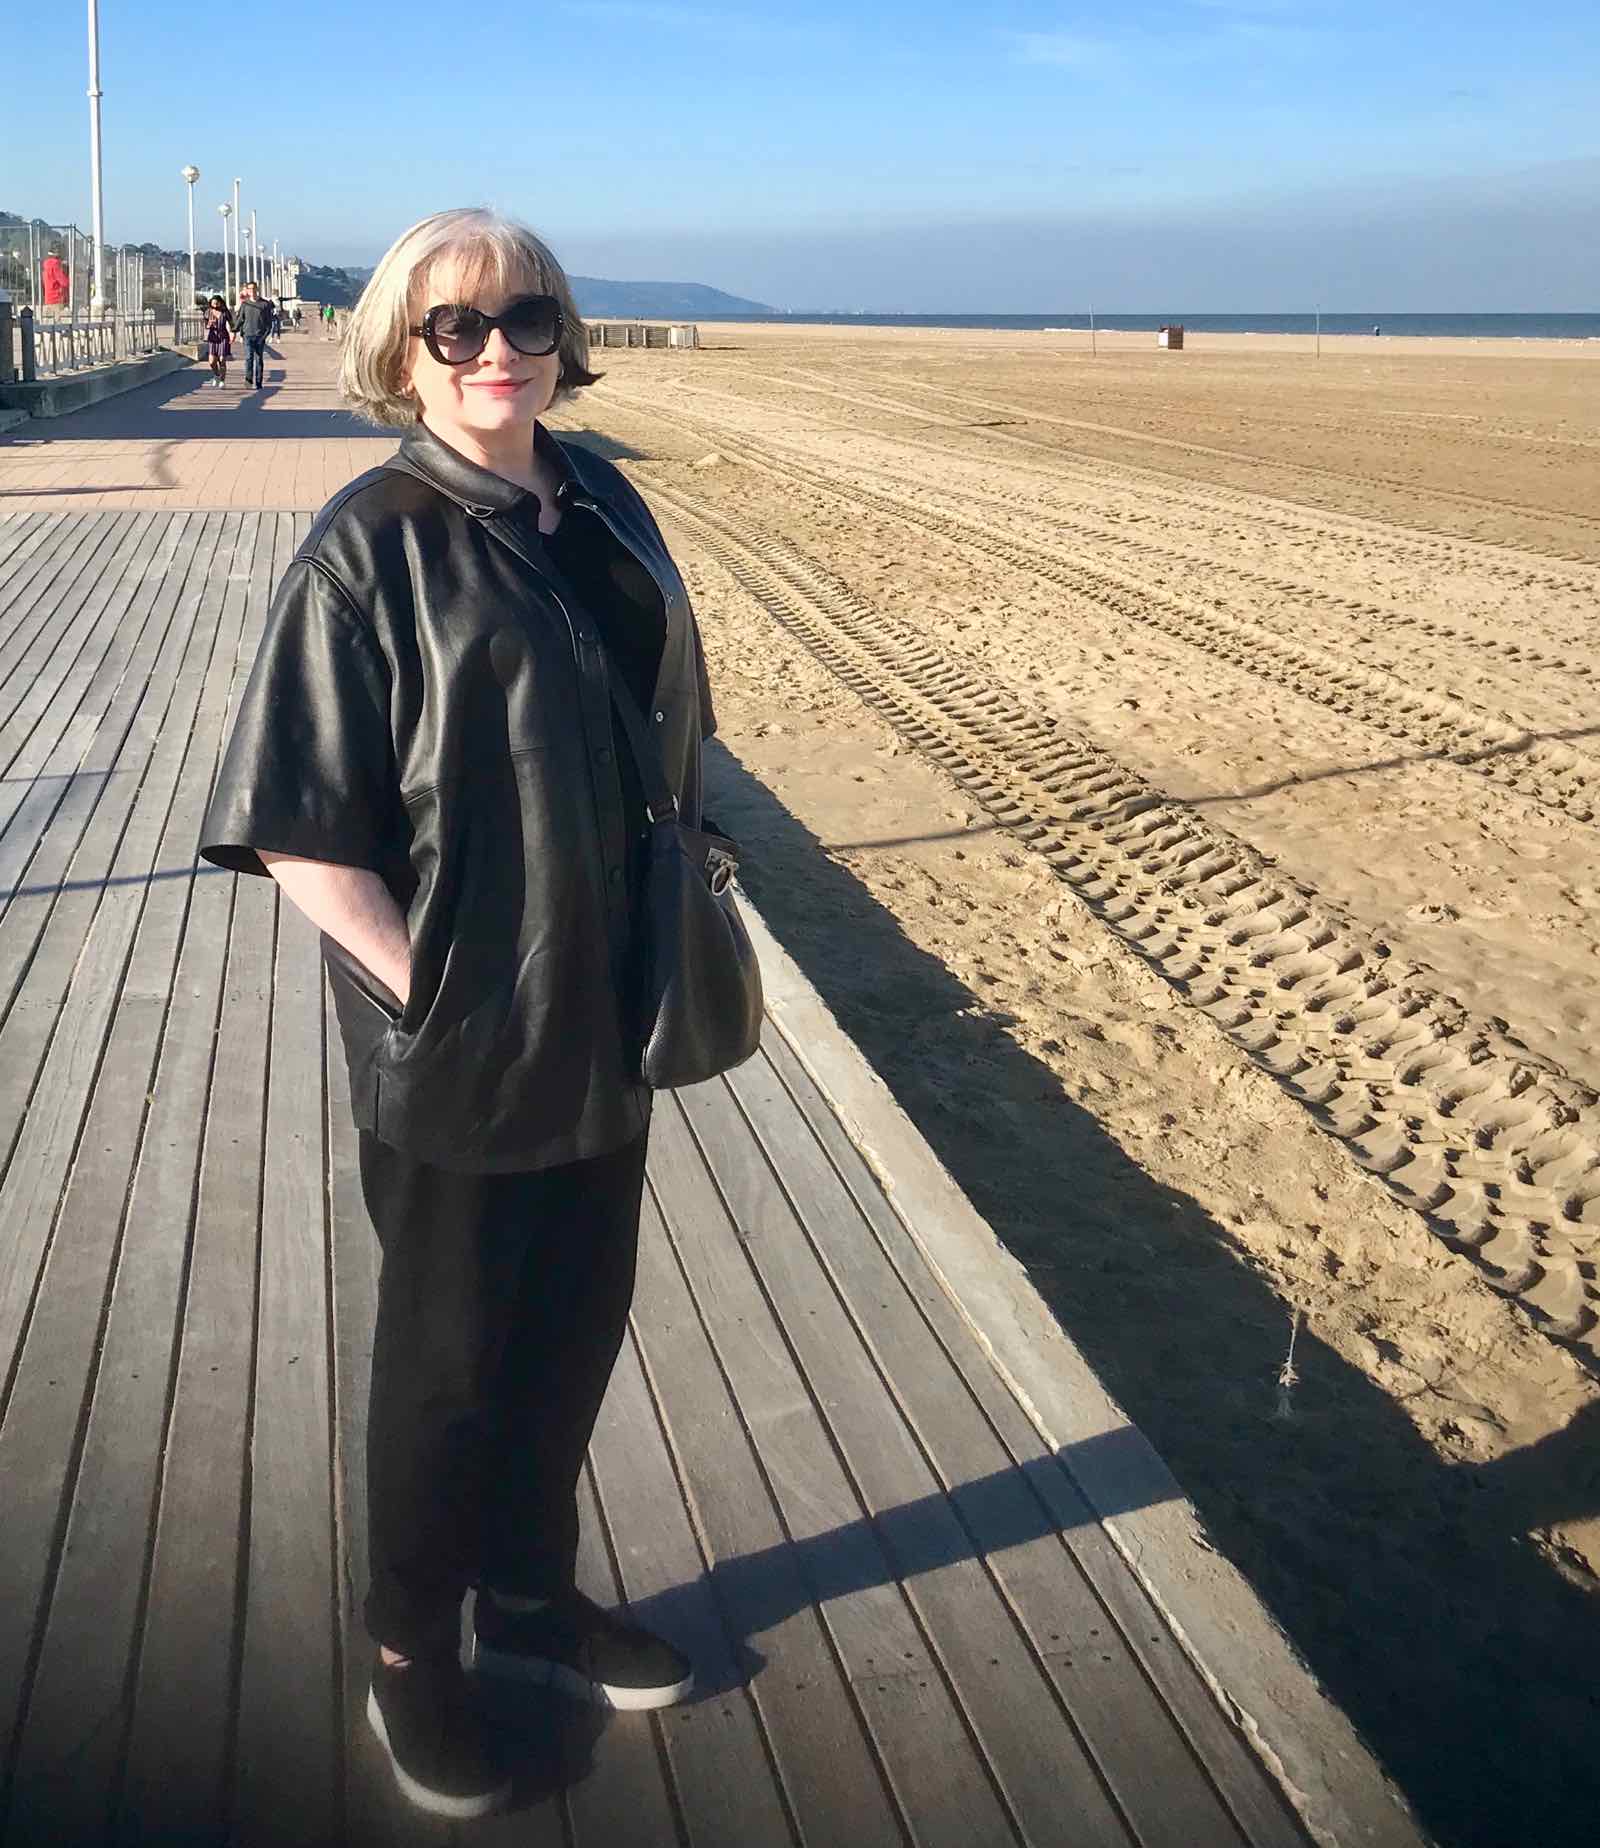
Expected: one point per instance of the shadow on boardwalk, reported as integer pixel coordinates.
(1467, 1661)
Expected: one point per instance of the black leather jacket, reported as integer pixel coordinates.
(431, 701)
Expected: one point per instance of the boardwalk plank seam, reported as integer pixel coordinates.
(79, 998)
(968, 1617)
(862, 1671)
(1214, 1739)
(1123, 1723)
(119, 1025)
(739, 1519)
(1256, 1800)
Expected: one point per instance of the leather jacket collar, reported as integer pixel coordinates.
(479, 490)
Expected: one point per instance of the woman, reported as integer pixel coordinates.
(425, 761)
(219, 339)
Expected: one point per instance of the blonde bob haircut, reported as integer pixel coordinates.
(490, 251)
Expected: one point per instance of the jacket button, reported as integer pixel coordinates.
(616, 875)
(602, 756)
(661, 718)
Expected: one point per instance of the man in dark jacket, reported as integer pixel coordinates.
(254, 321)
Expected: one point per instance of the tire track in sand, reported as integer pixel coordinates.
(1412, 542)
(1416, 651)
(1497, 1148)
(1024, 414)
(1541, 769)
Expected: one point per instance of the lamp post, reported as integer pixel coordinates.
(238, 227)
(255, 249)
(96, 208)
(190, 174)
(227, 212)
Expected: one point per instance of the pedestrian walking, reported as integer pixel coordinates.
(441, 760)
(219, 339)
(254, 323)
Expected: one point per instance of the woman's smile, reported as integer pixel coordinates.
(498, 388)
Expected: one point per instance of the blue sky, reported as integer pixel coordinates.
(1197, 154)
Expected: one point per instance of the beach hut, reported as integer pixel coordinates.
(1170, 337)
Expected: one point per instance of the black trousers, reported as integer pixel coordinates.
(502, 1304)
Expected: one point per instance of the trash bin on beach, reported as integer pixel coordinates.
(1170, 337)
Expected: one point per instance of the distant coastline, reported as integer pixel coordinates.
(1414, 326)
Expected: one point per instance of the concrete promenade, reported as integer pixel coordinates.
(180, 443)
(938, 1590)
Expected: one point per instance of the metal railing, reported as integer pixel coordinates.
(45, 347)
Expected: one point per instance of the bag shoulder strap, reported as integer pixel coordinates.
(659, 799)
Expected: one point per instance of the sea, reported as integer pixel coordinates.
(1434, 326)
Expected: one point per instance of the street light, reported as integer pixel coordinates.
(255, 249)
(96, 208)
(227, 212)
(190, 174)
(238, 227)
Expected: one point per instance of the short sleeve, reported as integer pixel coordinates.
(310, 767)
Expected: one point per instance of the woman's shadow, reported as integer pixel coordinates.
(1464, 1655)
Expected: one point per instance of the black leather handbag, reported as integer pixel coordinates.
(702, 1000)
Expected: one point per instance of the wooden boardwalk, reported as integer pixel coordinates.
(909, 1624)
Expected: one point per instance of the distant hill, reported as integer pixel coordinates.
(600, 300)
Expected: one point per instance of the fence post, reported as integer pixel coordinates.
(7, 368)
(30, 357)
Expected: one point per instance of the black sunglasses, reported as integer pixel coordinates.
(454, 333)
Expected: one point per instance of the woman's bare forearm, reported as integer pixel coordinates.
(355, 908)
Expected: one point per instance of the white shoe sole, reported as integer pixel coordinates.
(537, 1672)
(436, 1803)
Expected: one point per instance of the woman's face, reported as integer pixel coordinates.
(491, 401)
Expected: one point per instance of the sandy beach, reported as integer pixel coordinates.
(1181, 772)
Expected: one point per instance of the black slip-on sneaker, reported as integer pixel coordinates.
(573, 1645)
(425, 1715)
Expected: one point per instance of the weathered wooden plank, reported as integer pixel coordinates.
(288, 1781)
(56, 760)
(54, 577)
(290, 1668)
(73, 1735)
(67, 648)
(1135, 1742)
(1036, 1756)
(52, 726)
(186, 1679)
(16, 529)
(58, 1027)
(30, 545)
(719, 1759)
(116, 695)
(829, 1772)
(1253, 1799)
(83, 834)
(940, 1783)
(36, 1454)
(624, 1796)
